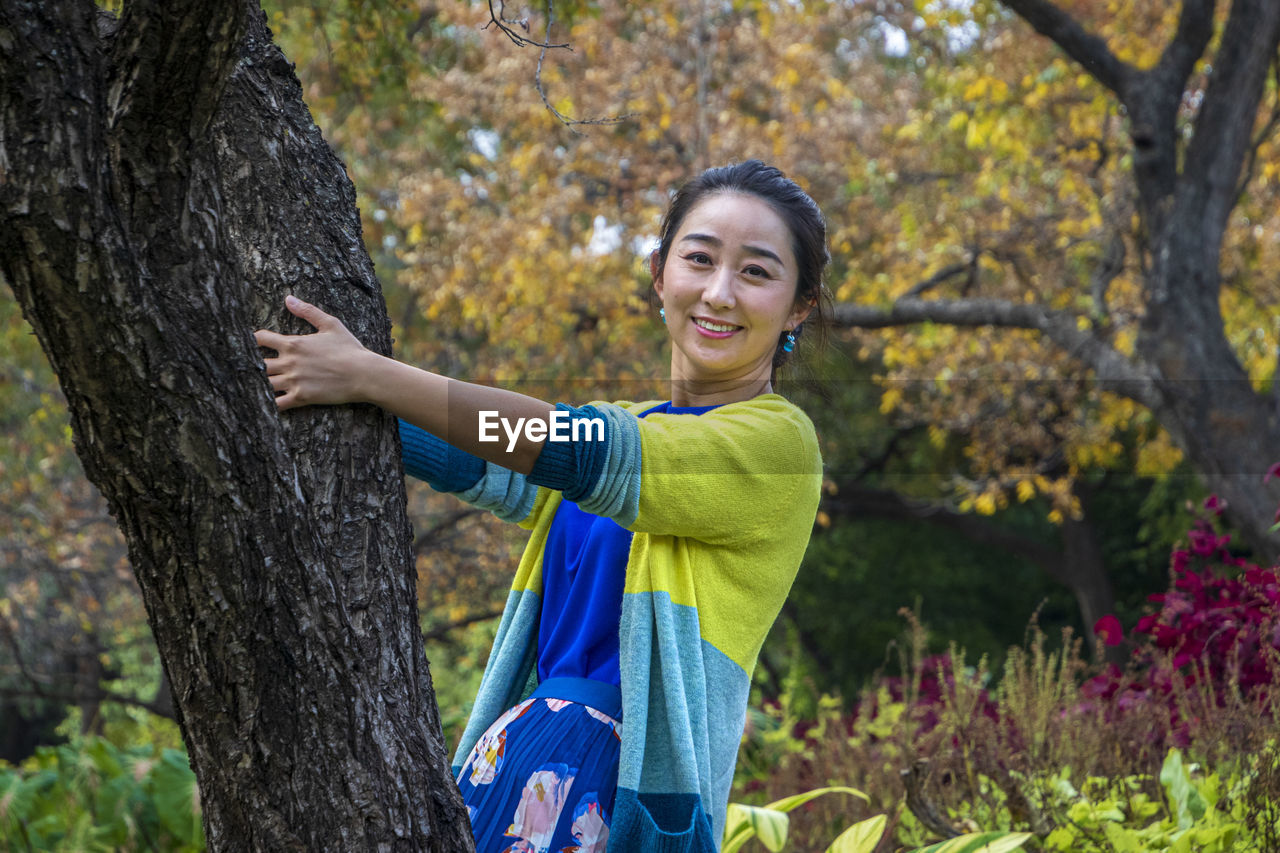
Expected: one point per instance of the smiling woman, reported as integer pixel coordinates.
(665, 536)
(727, 296)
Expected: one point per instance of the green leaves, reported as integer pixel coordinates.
(980, 842)
(94, 796)
(1205, 814)
(173, 790)
(862, 837)
(1187, 803)
(770, 823)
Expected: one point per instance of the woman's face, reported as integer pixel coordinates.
(729, 290)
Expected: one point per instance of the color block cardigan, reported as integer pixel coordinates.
(721, 506)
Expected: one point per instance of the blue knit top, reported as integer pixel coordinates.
(584, 570)
(584, 563)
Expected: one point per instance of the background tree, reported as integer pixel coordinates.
(1126, 239)
(164, 188)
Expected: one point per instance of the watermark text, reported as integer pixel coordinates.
(559, 426)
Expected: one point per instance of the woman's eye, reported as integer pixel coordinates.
(699, 258)
(757, 272)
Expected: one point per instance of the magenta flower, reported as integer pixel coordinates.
(1110, 630)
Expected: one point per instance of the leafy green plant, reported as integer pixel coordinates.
(770, 824)
(1200, 812)
(92, 795)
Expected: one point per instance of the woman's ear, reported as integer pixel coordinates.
(801, 312)
(655, 271)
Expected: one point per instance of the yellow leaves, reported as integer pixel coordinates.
(910, 131)
(890, 399)
(992, 89)
(976, 134)
(787, 79)
(1157, 456)
(1124, 340)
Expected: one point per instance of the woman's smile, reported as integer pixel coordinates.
(714, 328)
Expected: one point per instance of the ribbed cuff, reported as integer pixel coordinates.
(444, 467)
(574, 467)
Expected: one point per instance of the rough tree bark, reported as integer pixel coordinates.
(1183, 367)
(162, 187)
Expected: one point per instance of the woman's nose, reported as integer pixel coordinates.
(719, 290)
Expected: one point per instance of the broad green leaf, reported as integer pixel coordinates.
(769, 825)
(737, 828)
(16, 798)
(786, 804)
(979, 842)
(862, 837)
(174, 792)
(1183, 796)
(739, 837)
(105, 757)
(742, 822)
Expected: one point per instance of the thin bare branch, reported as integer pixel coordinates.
(946, 273)
(80, 696)
(1082, 46)
(440, 632)
(1112, 265)
(570, 123)
(431, 536)
(507, 27)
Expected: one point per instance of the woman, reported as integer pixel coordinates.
(665, 536)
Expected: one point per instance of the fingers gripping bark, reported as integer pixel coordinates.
(323, 368)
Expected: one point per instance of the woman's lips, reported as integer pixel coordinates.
(713, 328)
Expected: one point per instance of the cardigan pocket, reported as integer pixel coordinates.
(635, 828)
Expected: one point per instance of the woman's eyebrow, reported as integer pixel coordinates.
(758, 251)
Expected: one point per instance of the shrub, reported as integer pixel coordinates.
(93, 796)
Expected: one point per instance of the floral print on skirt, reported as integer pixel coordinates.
(542, 779)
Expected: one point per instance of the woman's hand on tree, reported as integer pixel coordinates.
(317, 369)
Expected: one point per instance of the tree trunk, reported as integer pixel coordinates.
(162, 187)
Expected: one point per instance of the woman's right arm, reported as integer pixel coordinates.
(332, 367)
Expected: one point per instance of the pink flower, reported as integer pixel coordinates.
(541, 802)
(1109, 629)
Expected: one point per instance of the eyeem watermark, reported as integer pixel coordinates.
(559, 427)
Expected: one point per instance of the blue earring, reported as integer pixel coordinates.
(662, 312)
(790, 344)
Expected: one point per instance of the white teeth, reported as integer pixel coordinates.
(714, 327)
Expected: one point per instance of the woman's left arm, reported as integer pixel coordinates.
(332, 367)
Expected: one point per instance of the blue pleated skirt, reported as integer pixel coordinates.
(542, 778)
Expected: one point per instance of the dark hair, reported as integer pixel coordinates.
(803, 219)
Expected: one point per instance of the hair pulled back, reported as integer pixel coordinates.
(800, 213)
